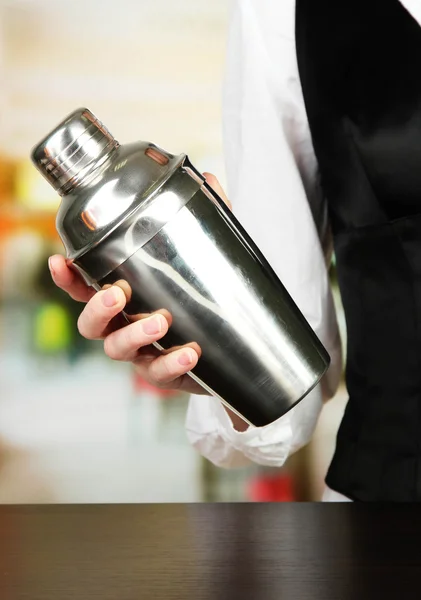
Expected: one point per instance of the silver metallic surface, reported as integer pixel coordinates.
(138, 227)
(104, 182)
(67, 155)
(154, 223)
(258, 353)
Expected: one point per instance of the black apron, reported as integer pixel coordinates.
(360, 70)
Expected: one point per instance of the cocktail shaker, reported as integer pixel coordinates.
(137, 213)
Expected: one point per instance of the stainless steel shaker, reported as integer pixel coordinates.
(138, 213)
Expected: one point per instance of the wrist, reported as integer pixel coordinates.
(238, 423)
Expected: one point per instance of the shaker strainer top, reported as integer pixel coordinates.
(101, 181)
(72, 149)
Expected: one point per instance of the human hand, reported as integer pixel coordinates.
(101, 319)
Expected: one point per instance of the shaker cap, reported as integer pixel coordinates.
(105, 184)
(69, 152)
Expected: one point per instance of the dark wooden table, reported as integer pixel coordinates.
(204, 551)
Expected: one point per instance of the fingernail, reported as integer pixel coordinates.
(186, 358)
(51, 267)
(109, 299)
(152, 325)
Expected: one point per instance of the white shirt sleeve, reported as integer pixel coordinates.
(273, 186)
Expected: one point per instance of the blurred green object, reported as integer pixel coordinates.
(53, 329)
(55, 319)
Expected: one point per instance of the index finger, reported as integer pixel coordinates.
(68, 280)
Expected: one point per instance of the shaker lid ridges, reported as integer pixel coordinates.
(77, 145)
(108, 187)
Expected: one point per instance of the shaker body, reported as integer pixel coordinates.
(259, 355)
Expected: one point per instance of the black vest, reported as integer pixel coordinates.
(360, 70)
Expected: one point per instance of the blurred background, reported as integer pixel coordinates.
(74, 426)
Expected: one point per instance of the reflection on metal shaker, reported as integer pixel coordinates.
(137, 213)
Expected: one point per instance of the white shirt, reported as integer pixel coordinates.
(273, 186)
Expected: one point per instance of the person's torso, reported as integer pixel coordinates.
(358, 62)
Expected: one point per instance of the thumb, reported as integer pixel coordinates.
(216, 186)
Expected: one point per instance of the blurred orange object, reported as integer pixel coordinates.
(7, 177)
(13, 220)
(26, 203)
